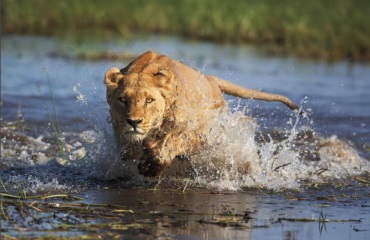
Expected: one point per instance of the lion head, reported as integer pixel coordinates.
(138, 98)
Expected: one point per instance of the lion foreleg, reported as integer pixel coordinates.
(159, 155)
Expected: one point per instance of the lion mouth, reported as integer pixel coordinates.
(135, 131)
(132, 131)
(134, 135)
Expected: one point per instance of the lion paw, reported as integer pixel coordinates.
(151, 167)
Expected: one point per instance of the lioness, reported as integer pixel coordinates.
(160, 109)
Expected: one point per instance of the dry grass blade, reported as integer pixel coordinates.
(317, 220)
(362, 179)
(123, 211)
(60, 196)
(42, 197)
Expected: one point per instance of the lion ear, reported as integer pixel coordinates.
(164, 78)
(111, 80)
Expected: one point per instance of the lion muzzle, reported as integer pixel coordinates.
(134, 122)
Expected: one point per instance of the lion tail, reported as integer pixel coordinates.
(238, 91)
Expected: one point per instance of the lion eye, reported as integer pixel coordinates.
(161, 73)
(122, 100)
(149, 100)
(158, 74)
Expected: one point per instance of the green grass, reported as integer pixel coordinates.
(316, 28)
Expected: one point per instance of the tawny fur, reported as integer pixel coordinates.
(161, 108)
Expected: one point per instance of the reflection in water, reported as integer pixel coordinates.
(186, 213)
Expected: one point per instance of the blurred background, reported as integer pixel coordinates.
(332, 29)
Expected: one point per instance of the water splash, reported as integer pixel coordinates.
(81, 98)
(236, 160)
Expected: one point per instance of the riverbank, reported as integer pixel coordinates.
(314, 29)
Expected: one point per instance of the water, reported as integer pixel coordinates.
(42, 76)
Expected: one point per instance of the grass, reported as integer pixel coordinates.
(321, 29)
(53, 118)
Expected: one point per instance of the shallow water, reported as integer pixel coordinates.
(192, 214)
(287, 151)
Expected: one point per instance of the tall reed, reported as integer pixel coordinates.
(53, 117)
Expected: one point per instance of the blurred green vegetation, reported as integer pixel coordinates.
(329, 29)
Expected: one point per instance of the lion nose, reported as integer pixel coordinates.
(134, 122)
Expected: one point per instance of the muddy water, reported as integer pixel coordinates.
(291, 154)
